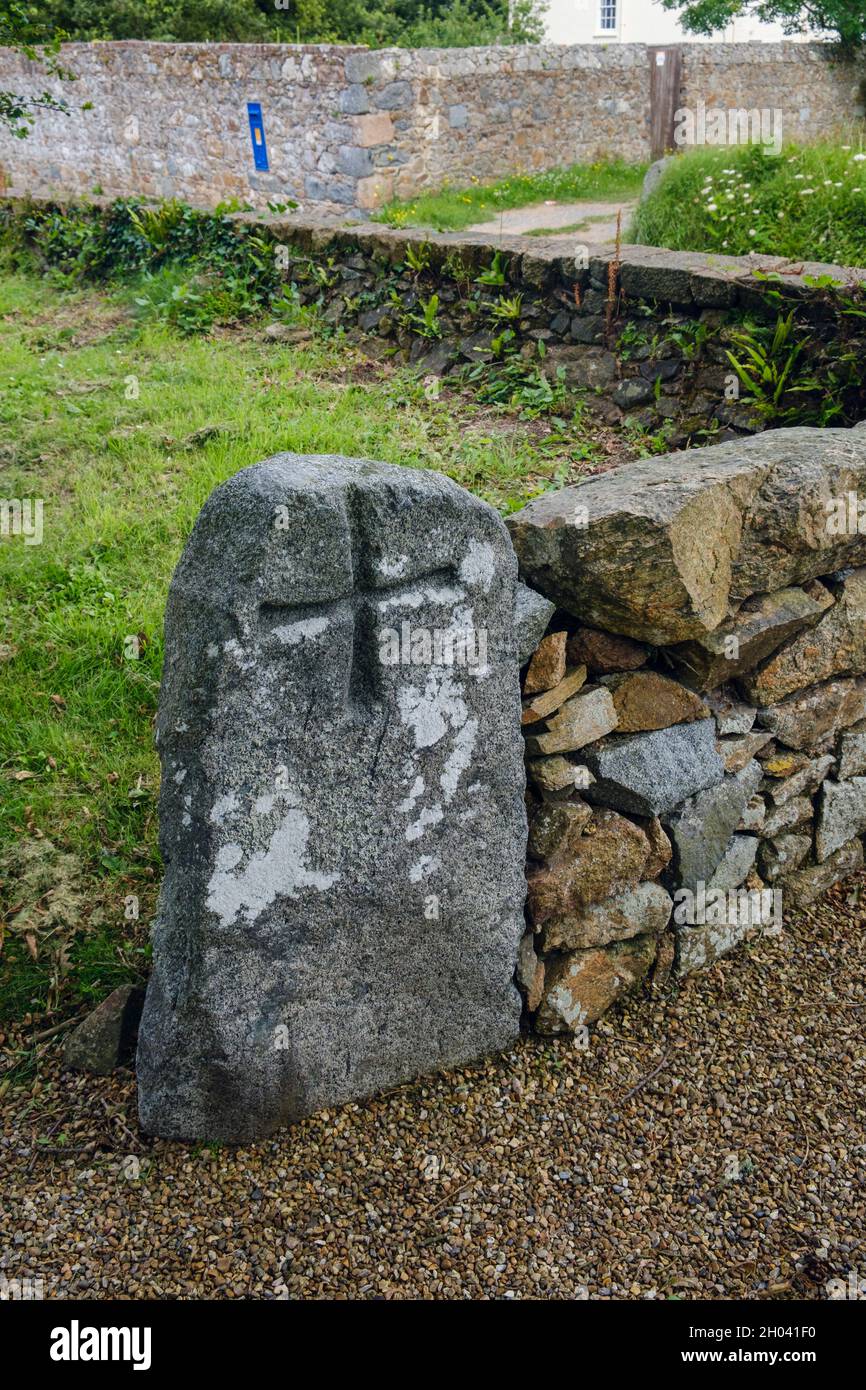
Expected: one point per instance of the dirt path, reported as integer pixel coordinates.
(595, 222)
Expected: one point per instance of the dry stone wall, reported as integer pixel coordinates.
(634, 335)
(350, 127)
(695, 715)
(691, 632)
(639, 335)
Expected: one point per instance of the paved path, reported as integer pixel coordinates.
(596, 222)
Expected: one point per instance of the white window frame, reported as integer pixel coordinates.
(612, 32)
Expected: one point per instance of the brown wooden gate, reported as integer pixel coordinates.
(666, 66)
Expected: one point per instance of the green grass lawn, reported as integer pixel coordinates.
(123, 428)
(451, 209)
(808, 203)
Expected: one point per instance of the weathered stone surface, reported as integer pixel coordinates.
(841, 814)
(541, 706)
(106, 1038)
(793, 814)
(836, 646)
(556, 828)
(731, 714)
(580, 987)
(644, 700)
(547, 667)
(805, 886)
(660, 846)
(754, 815)
(329, 923)
(532, 613)
(803, 720)
(557, 774)
(803, 782)
(735, 864)
(530, 971)
(851, 751)
(648, 774)
(665, 959)
(737, 645)
(587, 368)
(701, 828)
(699, 946)
(610, 856)
(663, 549)
(737, 751)
(783, 855)
(635, 912)
(582, 720)
(602, 652)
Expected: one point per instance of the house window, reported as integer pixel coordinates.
(607, 16)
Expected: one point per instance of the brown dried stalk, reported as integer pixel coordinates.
(613, 281)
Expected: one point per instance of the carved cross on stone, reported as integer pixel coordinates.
(358, 615)
(297, 964)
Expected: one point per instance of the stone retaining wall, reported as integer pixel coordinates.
(695, 716)
(639, 335)
(348, 127)
(642, 334)
(170, 120)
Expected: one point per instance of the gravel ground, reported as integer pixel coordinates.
(709, 1144)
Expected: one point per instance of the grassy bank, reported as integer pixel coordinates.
(808, 203)
(452, 209)
(123, 426)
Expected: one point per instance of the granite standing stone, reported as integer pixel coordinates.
(343, 834)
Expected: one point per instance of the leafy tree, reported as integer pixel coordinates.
(844, 18)
(22, 30)
(379, 23)
(35, 28)
(168, 21)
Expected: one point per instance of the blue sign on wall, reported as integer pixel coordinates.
(257, 135)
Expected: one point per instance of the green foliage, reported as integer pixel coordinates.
(427, 322)
(689, 337)
(647, 443)
(23, 28)
(418, 257)
(494, 274)
(518, 383)
(766, 361)
(808, 203)
(452, 209)
(438, 23)
(189, 268)
(844, 18)
(804, 367)
(506, 309)
(472, 24)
